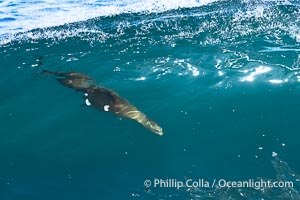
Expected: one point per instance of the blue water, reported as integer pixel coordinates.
(220, 77)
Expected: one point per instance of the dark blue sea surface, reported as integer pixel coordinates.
(221, 79)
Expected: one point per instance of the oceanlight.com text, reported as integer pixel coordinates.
(221, 183)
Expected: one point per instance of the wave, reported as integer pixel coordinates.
(28, 15)
(243, 40)
(226, 20)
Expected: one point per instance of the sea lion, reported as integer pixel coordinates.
(105, 99)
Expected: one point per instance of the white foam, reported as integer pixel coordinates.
(257, 71)
(297, 37)
(274, 154)
(41, 14)
(276, 81)
(193, 69)
(141, 78)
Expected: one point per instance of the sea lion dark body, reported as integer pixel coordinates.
(100, 97)
(105, 99)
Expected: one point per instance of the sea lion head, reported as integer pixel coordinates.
(154, 127)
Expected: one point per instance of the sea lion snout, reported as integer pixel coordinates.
(154, 127)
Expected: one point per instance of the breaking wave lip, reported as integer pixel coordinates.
(43, 14)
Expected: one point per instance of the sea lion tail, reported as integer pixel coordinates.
(44, 71)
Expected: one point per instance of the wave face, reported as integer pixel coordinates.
(22, 15)
(221, 78)
(259, 40)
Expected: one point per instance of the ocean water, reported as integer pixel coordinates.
(221, 78)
